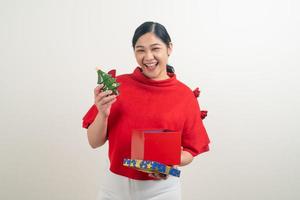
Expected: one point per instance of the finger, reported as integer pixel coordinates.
(108, 99)
(106, 105)
(98, 89)
(158, 176)
(153, 176)
(163, 176)
(103, 94)
(100, 98)
(101, 85)
(111, 102)
(167, 176)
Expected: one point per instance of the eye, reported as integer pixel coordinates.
(140, 50)
(155, 49)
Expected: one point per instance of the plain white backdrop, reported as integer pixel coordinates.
(244, 56)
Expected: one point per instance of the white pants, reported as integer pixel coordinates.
(116, 187)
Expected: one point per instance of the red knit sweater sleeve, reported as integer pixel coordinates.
(90, 116)
(194, 136)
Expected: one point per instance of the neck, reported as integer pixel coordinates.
(161, 78)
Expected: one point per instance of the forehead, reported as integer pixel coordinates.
(148, 39)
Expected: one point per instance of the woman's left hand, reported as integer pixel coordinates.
(158, 176)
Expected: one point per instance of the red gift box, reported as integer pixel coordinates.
(162, 146)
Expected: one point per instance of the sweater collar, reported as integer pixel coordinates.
(140, 77)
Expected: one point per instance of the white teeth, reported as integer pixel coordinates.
(151, 65)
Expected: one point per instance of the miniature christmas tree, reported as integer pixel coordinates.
(109, 83)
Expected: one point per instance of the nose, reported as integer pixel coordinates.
(148, 56)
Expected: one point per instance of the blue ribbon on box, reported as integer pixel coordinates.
(151, 167)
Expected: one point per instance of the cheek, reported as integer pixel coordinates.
(161, 57)
(138, 57)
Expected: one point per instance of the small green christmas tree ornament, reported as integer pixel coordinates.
(109, 83)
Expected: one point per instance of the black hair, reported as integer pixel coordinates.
(159, 30)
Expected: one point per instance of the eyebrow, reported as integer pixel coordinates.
(150, 45)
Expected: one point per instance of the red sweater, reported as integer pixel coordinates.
(148, 104)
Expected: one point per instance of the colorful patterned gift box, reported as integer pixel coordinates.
(159, 149)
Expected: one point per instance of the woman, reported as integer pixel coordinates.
(149, 97)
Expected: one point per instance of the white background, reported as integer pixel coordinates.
(244, 56)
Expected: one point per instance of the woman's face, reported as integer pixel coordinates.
(152, 54)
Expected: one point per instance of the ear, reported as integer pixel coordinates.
(170, 49)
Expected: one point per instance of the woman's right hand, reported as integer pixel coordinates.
(104, 100)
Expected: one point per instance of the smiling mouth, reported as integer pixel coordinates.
(151, 66)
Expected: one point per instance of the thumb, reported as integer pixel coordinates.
(97, 89)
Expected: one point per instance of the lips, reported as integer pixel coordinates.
(151, 66)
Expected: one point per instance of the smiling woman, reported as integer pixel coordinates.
(150, 97)
(152, 55)
(152, 46)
